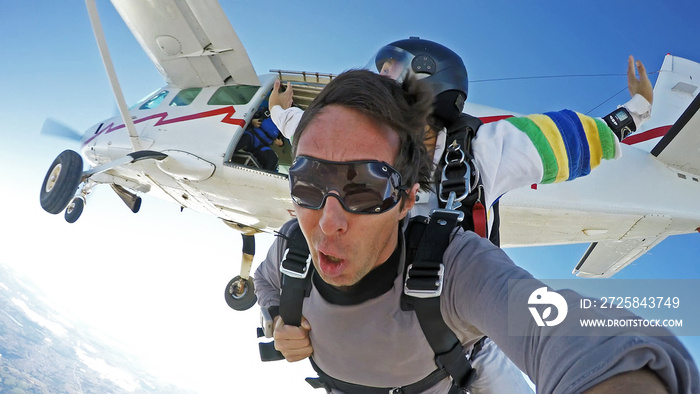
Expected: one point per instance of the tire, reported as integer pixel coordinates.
(244, 301)
(61, 182)
(74, 210)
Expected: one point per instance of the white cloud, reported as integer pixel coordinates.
(121, 378)
(54, 327)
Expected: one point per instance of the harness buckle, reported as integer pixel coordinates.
(456, 159)
(294, 265)
(424, 289)
(451, 208)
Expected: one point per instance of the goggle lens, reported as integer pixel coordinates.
(365, 186)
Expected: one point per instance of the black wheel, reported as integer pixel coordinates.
(240, 294)
(137, 205)
(74, 210)
(61, 181)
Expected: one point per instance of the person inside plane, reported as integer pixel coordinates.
(503, 154)
(258, 138)
(366, 127)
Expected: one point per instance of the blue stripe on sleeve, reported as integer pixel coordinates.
(575, 141)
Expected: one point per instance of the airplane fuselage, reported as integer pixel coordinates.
(202, 172)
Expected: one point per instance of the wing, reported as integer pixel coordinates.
(191, 42)
(680, 147)
(605, 259)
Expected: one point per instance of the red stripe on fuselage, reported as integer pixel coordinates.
(228, 111)
(647, 135)
(489, 119)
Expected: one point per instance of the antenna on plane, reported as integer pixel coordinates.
(109, 67)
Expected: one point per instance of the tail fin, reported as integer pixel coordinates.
(676, 86)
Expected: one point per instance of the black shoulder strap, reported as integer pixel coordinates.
(424, 277)
(296, 269)
(459, 175)
(463, 129)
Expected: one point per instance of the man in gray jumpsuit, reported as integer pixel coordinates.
(359, 163)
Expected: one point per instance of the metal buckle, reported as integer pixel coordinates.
(292, 273)
(424, 293)
(451, 207)
(469, 187)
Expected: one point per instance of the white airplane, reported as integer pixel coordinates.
(179, 143)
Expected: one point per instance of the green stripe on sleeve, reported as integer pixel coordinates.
(549, 160)
(607, 139)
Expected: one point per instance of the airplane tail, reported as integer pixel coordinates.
(675, 88)
(672, 136)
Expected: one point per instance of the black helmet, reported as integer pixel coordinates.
(436, 64)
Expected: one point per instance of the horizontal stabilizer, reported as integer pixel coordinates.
(605, 259)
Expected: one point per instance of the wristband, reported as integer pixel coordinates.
(621, 122)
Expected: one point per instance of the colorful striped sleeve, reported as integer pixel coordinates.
(570, 144)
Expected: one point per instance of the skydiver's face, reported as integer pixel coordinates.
(346, 246)
(391, 68)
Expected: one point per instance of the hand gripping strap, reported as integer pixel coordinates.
(296, 269)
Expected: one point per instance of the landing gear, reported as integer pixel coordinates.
(240, 293)
(74, 209)
(61, 182)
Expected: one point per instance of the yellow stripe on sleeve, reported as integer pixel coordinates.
(553, 136)
(594, 146)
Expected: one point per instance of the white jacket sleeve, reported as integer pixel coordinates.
(286, 119)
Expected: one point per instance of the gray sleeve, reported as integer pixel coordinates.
(555, 358)
(267, 277)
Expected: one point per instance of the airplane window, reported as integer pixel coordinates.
(233, 95)
(185, 97)
(155, 100)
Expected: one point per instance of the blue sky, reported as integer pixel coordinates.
(170, 310)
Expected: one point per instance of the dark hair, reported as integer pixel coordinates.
(402, 107)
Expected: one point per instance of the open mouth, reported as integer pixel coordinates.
(331, 266)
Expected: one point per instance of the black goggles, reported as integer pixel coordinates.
(363, 186)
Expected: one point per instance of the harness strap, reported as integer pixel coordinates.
(424, 278)
(422, 290)
(460, 175)
(268, 352)
(296, 268)
(329, 383)
(479, 215)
